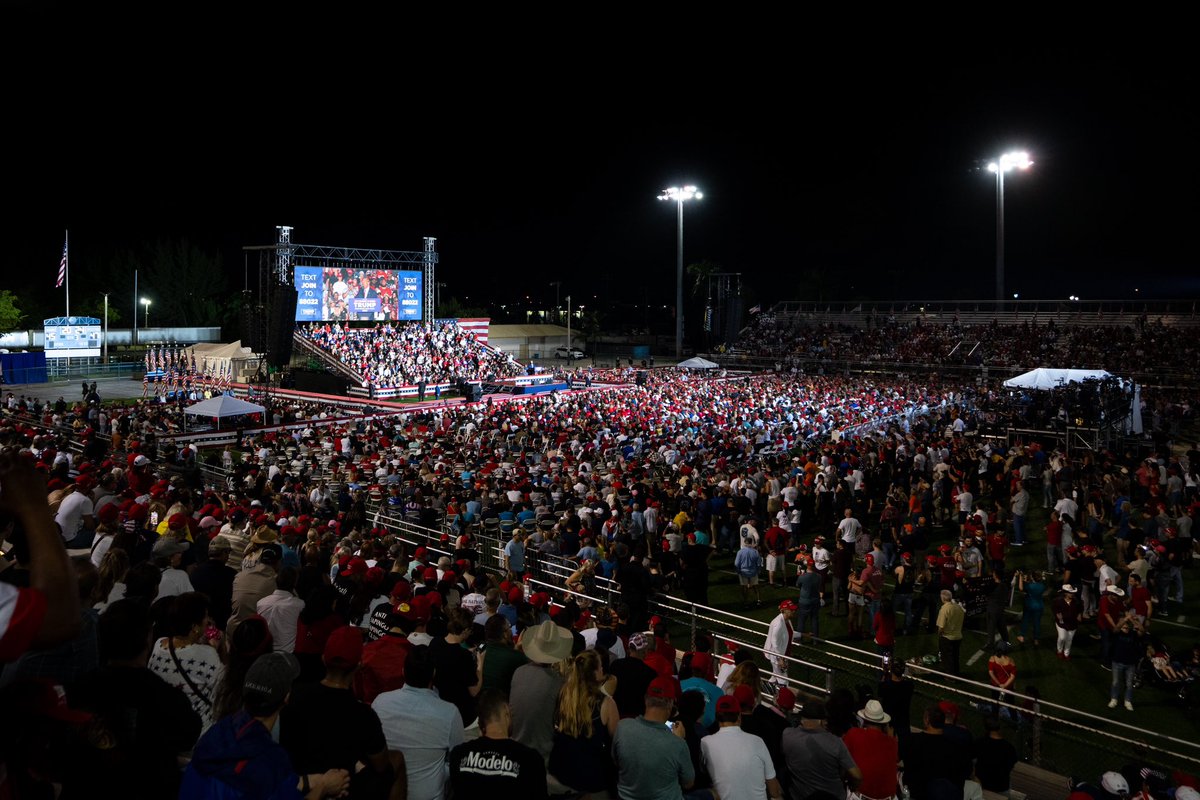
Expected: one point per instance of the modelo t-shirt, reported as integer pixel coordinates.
(497, 768)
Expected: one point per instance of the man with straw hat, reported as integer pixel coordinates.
(535, 686)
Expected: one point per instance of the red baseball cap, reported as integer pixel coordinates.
(429, 574)
(788, 605)
(728, 704)
(785, 699)
(663, 686)
(745, 697)
(355, 566)
(344, 647)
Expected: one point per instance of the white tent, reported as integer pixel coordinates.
(223, 406)
(1046, 378)
(697, 363)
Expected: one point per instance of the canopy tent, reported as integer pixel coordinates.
(223, 406)
(1046, 378)
(697, 363)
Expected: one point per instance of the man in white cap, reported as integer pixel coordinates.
(876, 752)
(1066, 609)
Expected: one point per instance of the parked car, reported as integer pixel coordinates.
(568, 352)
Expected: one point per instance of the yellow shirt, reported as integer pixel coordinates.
(950, 621)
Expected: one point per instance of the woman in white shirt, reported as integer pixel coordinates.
(186, 658)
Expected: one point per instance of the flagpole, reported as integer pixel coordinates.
(67, 269)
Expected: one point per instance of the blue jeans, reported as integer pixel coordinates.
(806, 613)
(1018, 529)
(1175, 582)
(1122, 673)
(1031, 621)
(904, 604)
(889, 554)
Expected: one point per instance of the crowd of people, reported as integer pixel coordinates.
(271, 634)
(388, 355)
(1141, 346)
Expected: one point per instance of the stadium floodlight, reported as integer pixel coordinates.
(1018, 159)
(146, 303)
(679, 196)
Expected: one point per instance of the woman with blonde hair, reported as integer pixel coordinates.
(745, 674)
(585, 722)
(110, 584)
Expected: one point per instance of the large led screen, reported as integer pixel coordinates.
(347, 293)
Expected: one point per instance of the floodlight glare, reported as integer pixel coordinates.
(1017, 159)
(679, 196)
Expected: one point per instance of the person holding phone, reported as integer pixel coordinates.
(650, 751)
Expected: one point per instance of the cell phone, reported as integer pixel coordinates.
(212, 632)
(670, 725)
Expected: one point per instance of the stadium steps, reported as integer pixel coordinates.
(310, 349)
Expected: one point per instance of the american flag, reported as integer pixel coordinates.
(62, 268)
(755, 309)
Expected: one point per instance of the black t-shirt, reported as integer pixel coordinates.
(150, 723)
(994, 762)
(496, 768)
(324, 728)
(454, 676)
(932, 757)
(633, 679)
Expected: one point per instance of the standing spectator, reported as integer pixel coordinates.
(1054, 541)
(950, 626)
(748, 564)
(875, 751)
(312, 711)
(168, 555)
(779, 641)
(237, 757)
(585, 722)
(1033, 589)
(499, 660)
(495, 765)
(738, 762)
(884, 627)
(653, 761)
(536, 686)
(150, 722)
(809, 601)
(185, 657)
(896, 693)
(633, 676)
(1127, 651)
(1019, 505)
(420, 725)
(997, 606)
(995, 758)
(1002, 672)
(1067, 611)
(514, 555)
(842, 567)
(214, 578)
(253, 584)
(935, 765)
(281, 609)
(817, 760)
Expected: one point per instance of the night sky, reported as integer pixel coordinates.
(866, 167)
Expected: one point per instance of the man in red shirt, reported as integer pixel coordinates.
(775, 540)
(996, 545)
(1054, 553)
(875, 752)
(1141, 600)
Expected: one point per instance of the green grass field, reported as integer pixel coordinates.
(1080, 684)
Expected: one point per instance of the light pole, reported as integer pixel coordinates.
(679, 196)
(1017, 159)
(104, 359)
(146, 303)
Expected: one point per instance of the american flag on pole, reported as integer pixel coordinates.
(755, 308)
(62, 268)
